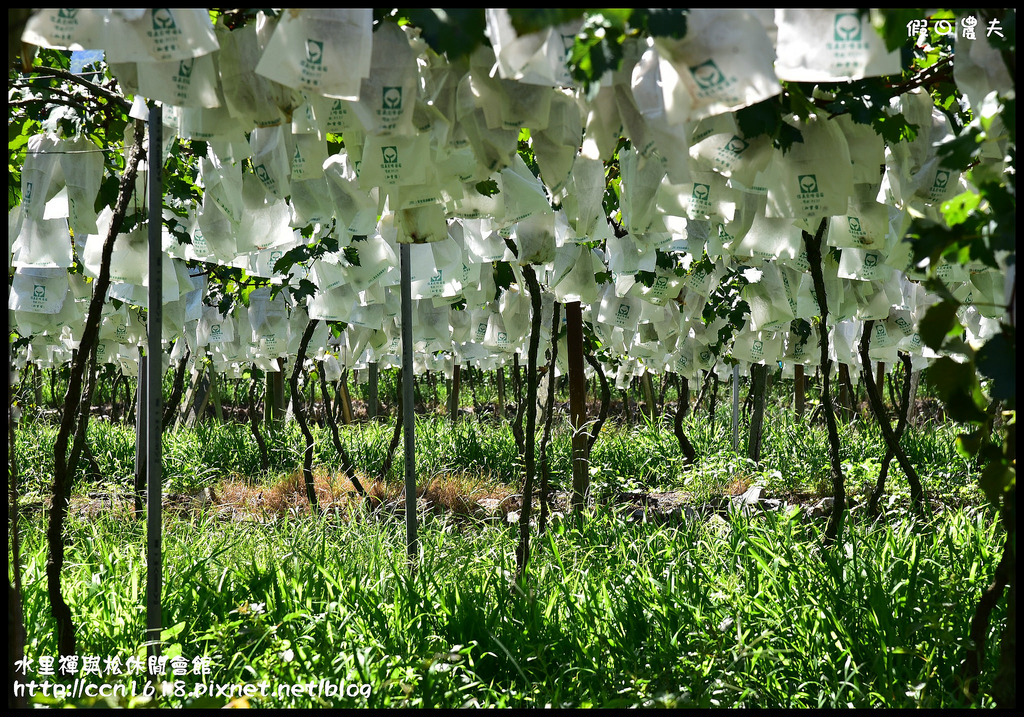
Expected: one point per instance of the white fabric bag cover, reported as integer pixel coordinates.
(355, 208)
(864, 226)
(375, 259)
(844, 344)
(41, 174)
(724, 149)
(265, 221)
(510, 105)
(601, 125)
(535, 238)
(707, 196)
(321, 50)
(829, 45)
(515, 309)
(43, 243)
(522, 192)
(555, 146)
(82, 167)
(482, 242)
(620, 312)
(494, 149)
(308, 157)
(223, 184)
(772, 300)
(129, 262)
(214, 328)
(537, 58)
(496, 337)
(392, 161)
(803, 352)
(421, 225)
(311, 202)
(583, 197)
(191, 82)
(252, 99)
(725, 61)
(268, 319)
(867, 150)
(67, 28)
(757, 347)
(214, 236)
(626, 255)
(430, 323)
(980, 70)
(271, 159)
(480, 291)
(387, 91)
(638, 192)
(158, 34)
(815, 177)
(40, 291)
(863, 265)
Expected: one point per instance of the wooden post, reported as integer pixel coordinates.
(501, 392)
(371, 405)
(453, 397)
(798, 389)
(577, 405)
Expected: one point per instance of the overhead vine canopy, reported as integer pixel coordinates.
(657, 165)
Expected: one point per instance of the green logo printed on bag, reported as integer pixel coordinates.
(314, 52)
(389, 154)
(941, 180)
(808, 183)
(28, 192)
(185, 68)
(392, 99)
(39, 292)
(215, 331)
(163, 19)
(846, 28)
(701, 192)
(757, 350)
(68, 13)
(707, 75)
(263, 174)
(854, 223)
(736, 145)
(623, 312)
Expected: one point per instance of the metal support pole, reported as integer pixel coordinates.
(154, 376)
(141, 442)
(736, 408)
(408, 416)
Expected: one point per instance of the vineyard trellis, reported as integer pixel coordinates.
(701, 190)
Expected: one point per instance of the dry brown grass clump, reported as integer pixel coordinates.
(459, 495)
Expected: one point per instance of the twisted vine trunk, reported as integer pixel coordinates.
(254, 425)
(682, 408)
(65, 465)
(346, 461)
(876, 494)
(529, 460)
(606, 400)
(549, 403)
(177, 389)
(758, 389)
(299, 405)
(833, 530)
(396, 436)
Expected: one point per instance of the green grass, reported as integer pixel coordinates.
(748, 612)
(749, 615)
